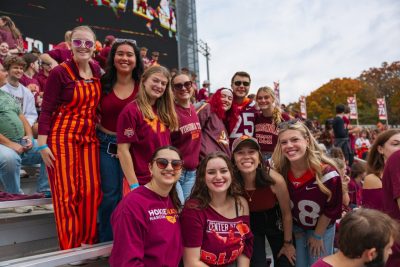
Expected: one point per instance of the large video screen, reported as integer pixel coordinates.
(152, 23)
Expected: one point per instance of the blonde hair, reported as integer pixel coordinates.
(83, 28)
(315, 156)
(276, 113)
(165, 104)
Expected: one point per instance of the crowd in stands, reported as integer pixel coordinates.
(132, 152)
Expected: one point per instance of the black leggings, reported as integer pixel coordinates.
(265, 224)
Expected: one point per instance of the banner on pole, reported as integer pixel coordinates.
(277, 94)
(303, 108)
(381, 108)
(352, 102)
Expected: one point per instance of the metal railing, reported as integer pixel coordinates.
(61, 257)
(25, 202)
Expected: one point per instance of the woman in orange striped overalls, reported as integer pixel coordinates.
(68, 143)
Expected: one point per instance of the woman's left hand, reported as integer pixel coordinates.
(289, 251)
(316, 246)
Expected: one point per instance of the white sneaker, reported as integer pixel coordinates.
(78, 263)
(25, 209)
(47, 207)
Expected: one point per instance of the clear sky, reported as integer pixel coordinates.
(301, 43)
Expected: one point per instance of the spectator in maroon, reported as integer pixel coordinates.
(266, 122)
(146, 224)
(385, 144)
(29, 77)
(155, 55)
(108, 42)
(4, 51)
(391, 199)
(203, 93)
(59, 53)
(188, 137)
(216, 117)
(10, 33)
(66, 44)
(44, 71)
(215, 220)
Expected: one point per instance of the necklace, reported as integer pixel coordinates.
(250, 195)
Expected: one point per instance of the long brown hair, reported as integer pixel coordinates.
(375, 160)
(9, 23)
(165, 104)
(200, 189)
(315, 157)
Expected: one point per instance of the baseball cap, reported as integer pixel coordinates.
(206, 82)
(110, 38)
(244, 139)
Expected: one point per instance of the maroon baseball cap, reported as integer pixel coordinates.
(110, 38)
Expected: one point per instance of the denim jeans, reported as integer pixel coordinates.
(111, 185)
(185, 184)
(10, 167)
(303, 255)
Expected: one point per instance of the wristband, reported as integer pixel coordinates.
(134, 186)
(40, 148)
(288, 242)
(318, 237)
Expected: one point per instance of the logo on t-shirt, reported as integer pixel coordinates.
(129, 132)
(160, 214)
(155, 124)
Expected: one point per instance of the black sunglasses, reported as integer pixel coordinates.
(162, 163)
(120, 40)
(239, 83)
(179, 86)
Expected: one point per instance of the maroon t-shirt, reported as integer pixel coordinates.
(245, 123)
(214, 136)
(308, 202)
(266, 131)
(59, 90)
(355, 191)
(188, 137)
(60, 55)
(146, 230)
(321, 263)
(111, 106)
(372, 198)
(42, 79)
(221, 240)
(391, 186)
(25, 80)
(202, 94)
(144, 135)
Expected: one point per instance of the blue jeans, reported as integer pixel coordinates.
(303, 254)
(185, 184)
(10, 167)
(111, 185)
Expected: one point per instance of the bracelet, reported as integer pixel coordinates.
(40, 148)
(318, 237)
(134, 186)
(289, 242)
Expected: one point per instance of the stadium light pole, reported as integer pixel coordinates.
(204, 49)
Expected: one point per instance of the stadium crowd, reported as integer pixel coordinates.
(132, 152)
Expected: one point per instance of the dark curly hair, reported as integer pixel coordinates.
(200, 189)
(109, 79)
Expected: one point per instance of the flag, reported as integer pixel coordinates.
(381, 108)
(303, 108)
(352, 102)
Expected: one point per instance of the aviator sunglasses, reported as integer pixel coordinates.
(162, 163)
(179, 86)
(239, 83)
(82, 43)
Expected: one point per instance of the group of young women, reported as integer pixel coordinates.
(141, 127)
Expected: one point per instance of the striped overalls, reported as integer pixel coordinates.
(75, 179)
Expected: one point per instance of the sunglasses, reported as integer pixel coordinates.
(162, 163)
(239, 83)
(287, 124)
(82, 43)
(179, 86)
(120, 40)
